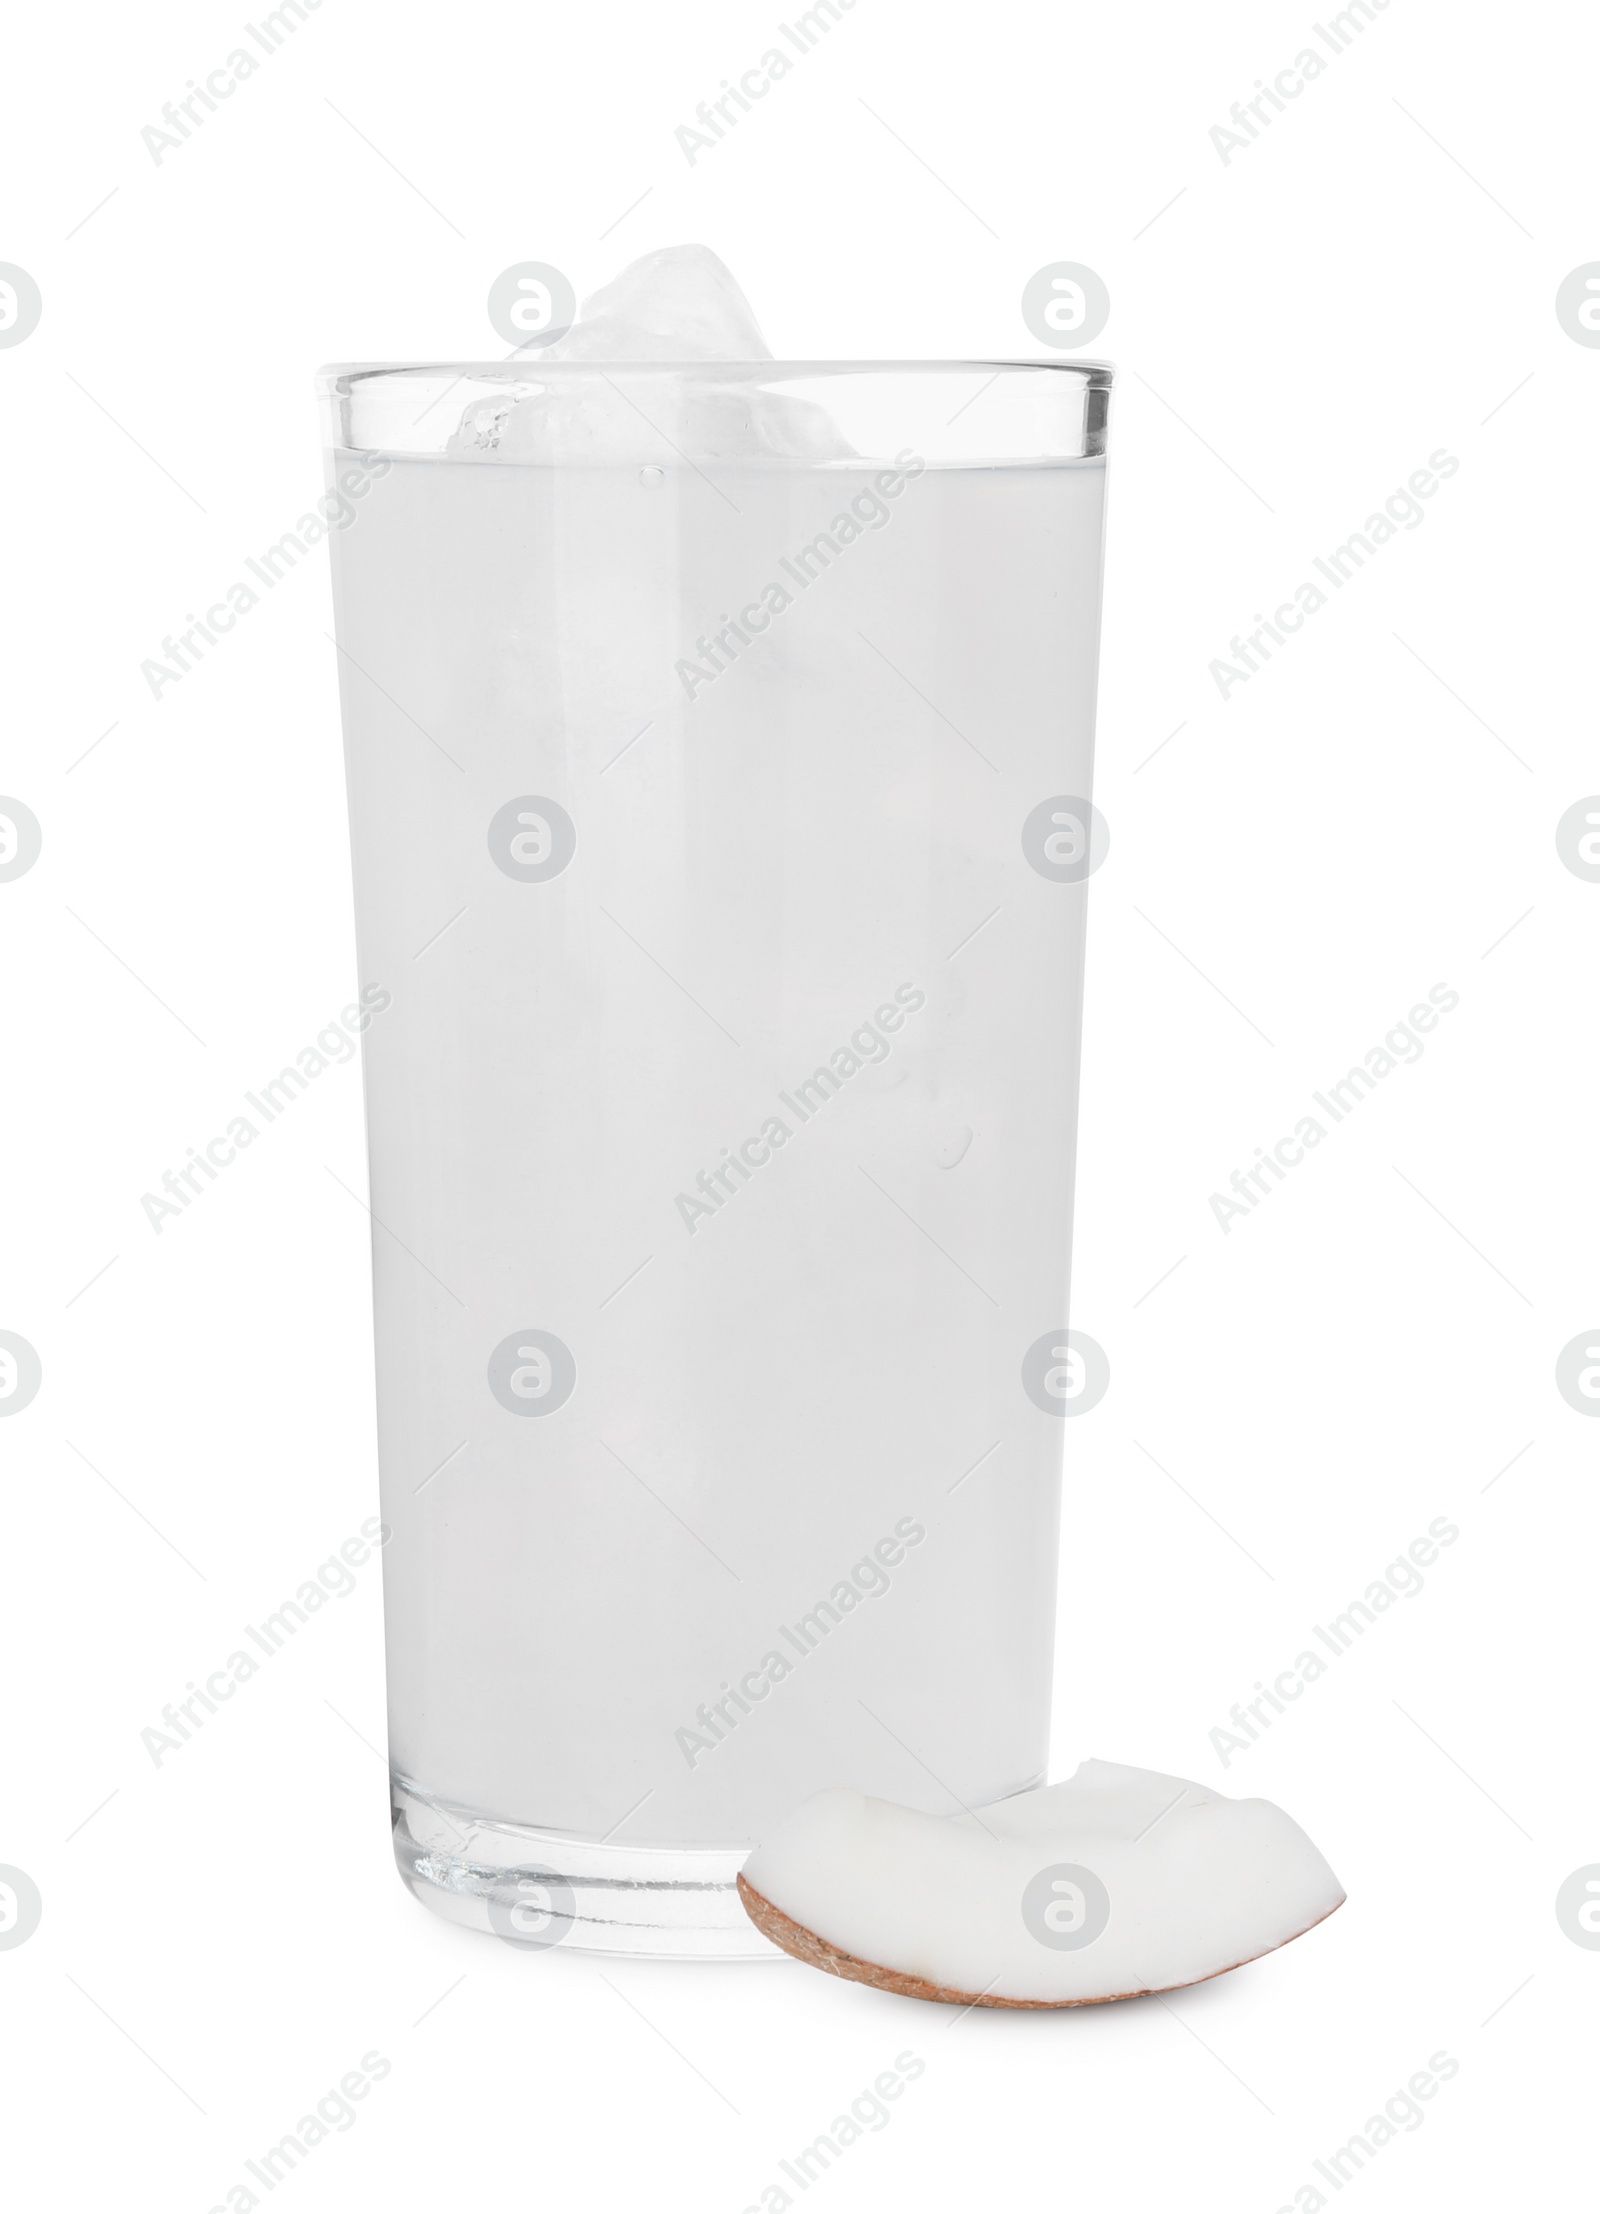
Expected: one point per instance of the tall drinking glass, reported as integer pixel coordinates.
(719, 744)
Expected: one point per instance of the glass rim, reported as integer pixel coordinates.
(338, 376)
(954, 413)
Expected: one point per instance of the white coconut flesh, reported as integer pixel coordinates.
(1114, 1883)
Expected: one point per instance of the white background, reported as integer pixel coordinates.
(1297, 330)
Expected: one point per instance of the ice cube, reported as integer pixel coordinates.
(678, 305)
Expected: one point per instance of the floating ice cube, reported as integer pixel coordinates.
(677, 305)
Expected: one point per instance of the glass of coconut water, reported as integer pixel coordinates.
(718, 741)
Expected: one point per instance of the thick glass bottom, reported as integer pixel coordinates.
(537, 1889)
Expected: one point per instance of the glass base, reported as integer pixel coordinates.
(537, 1889)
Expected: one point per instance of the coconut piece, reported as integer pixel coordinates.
(1115, 1883)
